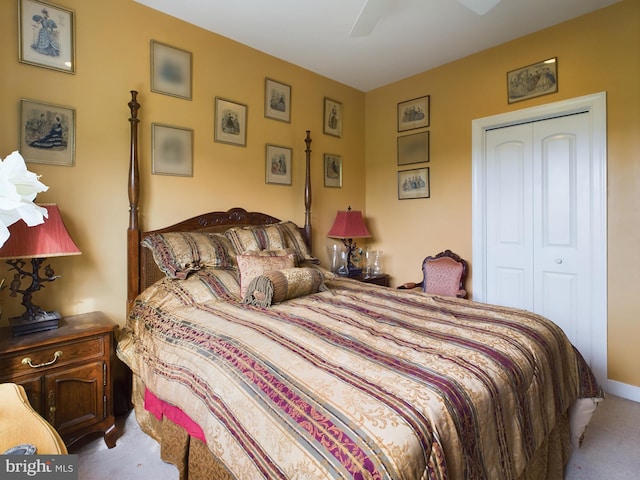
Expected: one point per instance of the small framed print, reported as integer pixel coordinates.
(172, 150)
(413, 183)
(332, 117)
(413, 148)
(278, 165)
(47, 133)
(533, 80)
(170, 70)
(230, 122)
(277, 100)
(46, 35)
(332, 170)
(413, 114)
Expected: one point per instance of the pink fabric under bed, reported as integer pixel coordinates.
(159, 408)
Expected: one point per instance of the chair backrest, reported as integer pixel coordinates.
(444, 274)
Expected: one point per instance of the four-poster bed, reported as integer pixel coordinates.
(329, 377)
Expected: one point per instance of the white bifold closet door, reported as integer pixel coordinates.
(538, 224)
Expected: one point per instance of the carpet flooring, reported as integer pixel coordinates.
(610, 450)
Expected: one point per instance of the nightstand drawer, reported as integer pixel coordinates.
(52, 356)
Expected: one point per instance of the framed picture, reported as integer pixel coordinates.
(46, 35)
(413, 148)
(47, 133)
(172, 150)
(533, 80)
(230, 122)
(278, 165)
(277, 100)
(413, 183)
(170, 70)
(332, 117)
(332, 170)
(413, 114)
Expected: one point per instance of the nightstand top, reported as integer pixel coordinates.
(74, 326)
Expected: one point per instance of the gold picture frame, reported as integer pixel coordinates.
(46, 35)
(171, 150)
(332, 123)
(533, 80)
(278, 164)
(277, 100)
(414, 113)
(47, 133)
(332, 170)
(230, 122)
(170, 70)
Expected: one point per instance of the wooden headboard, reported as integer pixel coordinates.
(141, 268)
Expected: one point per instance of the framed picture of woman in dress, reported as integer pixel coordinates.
(332, 117)
(230, 122)
(47, 133)
(46, 35)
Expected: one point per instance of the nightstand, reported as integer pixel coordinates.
(66, 374)
(381, 279)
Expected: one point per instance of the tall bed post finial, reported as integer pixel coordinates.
(307, 191)
(133, 233)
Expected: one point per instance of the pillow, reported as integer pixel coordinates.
(293, 239)
(179, 253)
(280, 285)
(246, 239)
(254, 264)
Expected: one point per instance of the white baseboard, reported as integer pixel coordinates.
(624, 390)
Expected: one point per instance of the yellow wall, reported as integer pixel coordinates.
(597, 52)
(113, 55)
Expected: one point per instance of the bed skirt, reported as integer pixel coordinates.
(195, 461)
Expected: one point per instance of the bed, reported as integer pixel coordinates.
(250, 360)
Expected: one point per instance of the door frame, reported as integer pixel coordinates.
(596, 105)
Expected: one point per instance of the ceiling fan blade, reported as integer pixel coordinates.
(371, 12)
(479, 6)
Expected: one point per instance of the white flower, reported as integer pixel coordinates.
(18, 190)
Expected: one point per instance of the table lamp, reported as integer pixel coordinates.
(348, 225)
(48, 239)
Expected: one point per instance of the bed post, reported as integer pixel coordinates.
(307, 192)
(133, 233)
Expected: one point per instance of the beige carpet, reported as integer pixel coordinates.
(610, 451)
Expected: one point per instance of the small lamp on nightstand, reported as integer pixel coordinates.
(48, 239)
(348, 225)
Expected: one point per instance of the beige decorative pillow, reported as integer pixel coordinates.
(179, 253)
(251, 265)
(293, 239)
(280, 285)
(247, 239)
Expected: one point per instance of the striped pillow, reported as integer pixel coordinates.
(179, 253)
(247, 239)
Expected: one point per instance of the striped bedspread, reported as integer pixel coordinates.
(358, 381)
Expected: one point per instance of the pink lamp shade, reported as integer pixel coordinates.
(349, 224)
(49, 239)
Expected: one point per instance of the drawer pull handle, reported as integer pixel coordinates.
(27, 361)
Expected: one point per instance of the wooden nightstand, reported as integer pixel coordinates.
(66, 374)
(379, 279)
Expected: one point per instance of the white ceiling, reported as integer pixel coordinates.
(411, 37)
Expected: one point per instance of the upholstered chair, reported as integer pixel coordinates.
(442, 274)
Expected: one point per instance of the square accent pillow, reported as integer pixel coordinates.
(253, 265)
(179, 253)
(247, 239)
(280, 285)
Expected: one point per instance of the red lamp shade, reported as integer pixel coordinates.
(349, 224)
(49, 239)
